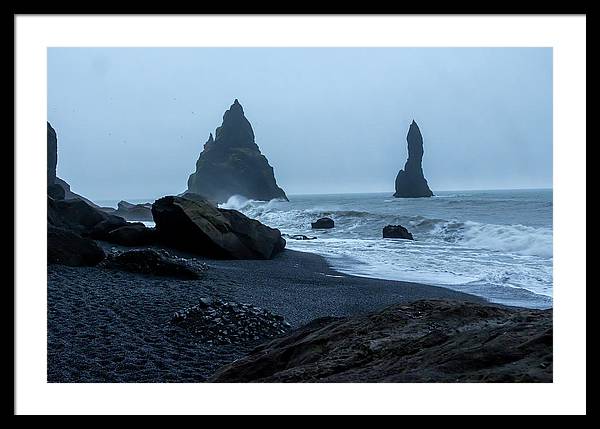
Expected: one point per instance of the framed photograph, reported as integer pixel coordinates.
(245, 217)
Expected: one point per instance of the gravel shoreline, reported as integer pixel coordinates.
(114, 326)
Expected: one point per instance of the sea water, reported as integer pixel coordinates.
(494, 244)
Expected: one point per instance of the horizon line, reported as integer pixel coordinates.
(391, 192)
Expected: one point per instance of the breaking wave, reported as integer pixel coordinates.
(498, 248)
(517, 239)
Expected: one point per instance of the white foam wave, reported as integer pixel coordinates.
(518, 239)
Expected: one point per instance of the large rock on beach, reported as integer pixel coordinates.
(323, 223)
(410, 182)
(424, 341)
(153, 262)
(133, 234)
(78, 216)
(232, 164)
(396, 231)
(198, 226)
(69, 248)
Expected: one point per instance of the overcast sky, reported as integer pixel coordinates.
(132, 122)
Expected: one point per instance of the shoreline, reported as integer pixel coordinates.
(114, 326)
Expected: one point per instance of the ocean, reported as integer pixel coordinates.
(494, 244)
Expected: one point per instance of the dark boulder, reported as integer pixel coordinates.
(424, 341)
(152, 262)
(78, 216)
(396, 231)
(299, 237)
(200, 198)
(134, 234)
(323, 223)
(410, 182)
(199, 227)
(68, 248)
(232, 164)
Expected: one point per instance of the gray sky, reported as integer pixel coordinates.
(131, 122)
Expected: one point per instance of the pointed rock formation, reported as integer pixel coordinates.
(231, 163)
(410, 182)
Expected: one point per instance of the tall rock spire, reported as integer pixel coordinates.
(410, 182)
(232, 163)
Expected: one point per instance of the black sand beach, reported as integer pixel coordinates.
(114, 326)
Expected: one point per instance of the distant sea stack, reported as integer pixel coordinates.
(231, 163)
(410, 182)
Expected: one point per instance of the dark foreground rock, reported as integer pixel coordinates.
(221, 322)
(232, 164)
(425, 341)
(323, 223)
(410, 182)
(134, 234)
(154, 262)
(198, 226)
(396, 231)
(68, 248)
(79, 217)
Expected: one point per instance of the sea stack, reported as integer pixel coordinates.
(232, 164)
(410, 182)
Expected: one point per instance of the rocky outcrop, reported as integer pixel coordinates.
(425, 341)
(410, 182)
(56, 192)
(131, 211)
(58, 189)
(323, 223)
(81, 218)
(232, 164)
(70, 195)
(69, 248)
(52, 154)
(197, 197)
(396, 231)
(153, 262)
(199, 227)
(133, 234)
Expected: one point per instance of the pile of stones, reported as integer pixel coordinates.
(220, 322)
